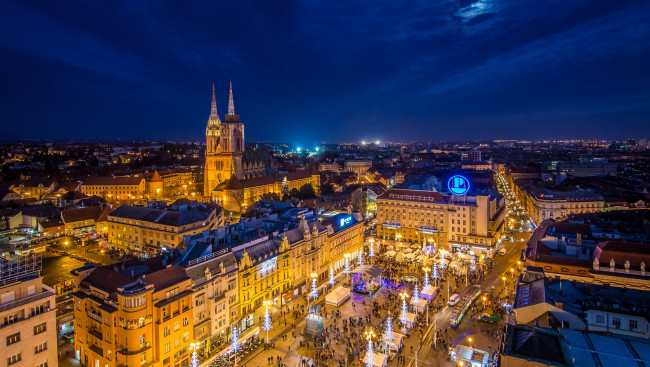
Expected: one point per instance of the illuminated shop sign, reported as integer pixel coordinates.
(345, 221)
(458, 185)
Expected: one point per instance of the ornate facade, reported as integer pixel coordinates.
(225, 155)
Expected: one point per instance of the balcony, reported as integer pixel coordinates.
(97, 350)
(127, 352)
(96, 333)
(26, 300)
(94, 316)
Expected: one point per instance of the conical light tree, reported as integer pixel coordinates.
(194, 362)
(435, 274)
(332, 277)
(234, 342)
(388, 333)
(416, 294)
(347, 264)
(371, 252)
(370, 354)
(314, 289)
(404, 315)
(360, 258)
(426, 278)
(267, 324)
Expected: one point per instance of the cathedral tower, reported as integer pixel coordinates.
(225, 146)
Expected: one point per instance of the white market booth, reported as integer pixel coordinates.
(429, 292)
(419, 305)
(380, 360)
(390, 253)
(337, 296)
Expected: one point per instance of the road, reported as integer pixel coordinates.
(481, 333)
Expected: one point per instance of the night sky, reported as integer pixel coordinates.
(311, 71)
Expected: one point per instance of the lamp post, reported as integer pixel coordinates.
(470, 342)
(484, 299)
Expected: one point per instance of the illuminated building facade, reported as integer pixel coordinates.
(27, 315)
(417, 218)
(115, 189)
(141, 319)
(345, 237)
(265, 268)
(236, 195)
(145, 230)
(225, 154)
(215, 297)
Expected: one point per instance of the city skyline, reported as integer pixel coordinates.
(303, 74)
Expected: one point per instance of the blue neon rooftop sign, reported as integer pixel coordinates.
(458, 185)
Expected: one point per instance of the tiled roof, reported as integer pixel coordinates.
(169, 217)
(87, 213)
(109, 180)
(166, 277)
(108, 279)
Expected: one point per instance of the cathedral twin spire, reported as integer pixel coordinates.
(231, 103)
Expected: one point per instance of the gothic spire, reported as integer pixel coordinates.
(213, 111)
(231, 103)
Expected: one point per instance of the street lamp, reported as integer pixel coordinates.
(484, 299)
(470, 342)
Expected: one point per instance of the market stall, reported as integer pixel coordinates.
(337, 296)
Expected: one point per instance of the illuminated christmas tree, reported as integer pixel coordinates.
(234, 341)
(266, 321)
(371, 253)
(370, 354)
(195, 357)
(388, 333)
(435, 273)
(347, 265)
(332, 277)
(360, 258)
(426, 279)
(314, 289)
(404, 315)
(416, 294)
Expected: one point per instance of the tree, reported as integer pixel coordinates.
(306, 192)
(327, 188)
(271, 196)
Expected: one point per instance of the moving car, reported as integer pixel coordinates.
(453, 299)
(502, 251)
(487, 317)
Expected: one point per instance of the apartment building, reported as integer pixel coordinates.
(133, 314)
(115, 189)
(148, 230)
(215, 295)
(27, 315)
(345, 238)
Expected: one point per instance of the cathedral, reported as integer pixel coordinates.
(235, 177)
(225, 154)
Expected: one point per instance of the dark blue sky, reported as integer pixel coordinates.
(311, 71)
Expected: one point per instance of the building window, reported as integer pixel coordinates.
(176, 326)
(634, 324)
(40, 328)
(600, 319)
(616, 322)
(14, 338)
(166, 331)
(143, 359)
(39, 348)
(13, 359)
(167, 347)
(44, 364)
(186, 321)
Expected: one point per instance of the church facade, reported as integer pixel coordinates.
(235, 177)
(225, 153)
